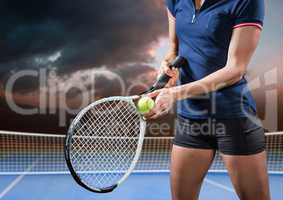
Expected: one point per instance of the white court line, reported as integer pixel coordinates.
(219, 185)
(17, 180)
(11, 185)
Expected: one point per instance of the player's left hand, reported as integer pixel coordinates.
(164, 102)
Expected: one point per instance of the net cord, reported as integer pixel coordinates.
(44, 135)
(60, 135)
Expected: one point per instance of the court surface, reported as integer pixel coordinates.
(32, 167)
(149, 186)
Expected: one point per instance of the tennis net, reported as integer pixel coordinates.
(31, 153)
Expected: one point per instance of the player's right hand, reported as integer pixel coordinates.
(173, 73)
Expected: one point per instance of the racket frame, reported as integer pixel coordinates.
(68, 142)
(160, 83)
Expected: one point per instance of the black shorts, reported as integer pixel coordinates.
(239, 136)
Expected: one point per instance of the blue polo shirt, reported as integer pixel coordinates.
(204, 36)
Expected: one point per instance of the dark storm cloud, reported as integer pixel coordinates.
(88, 33)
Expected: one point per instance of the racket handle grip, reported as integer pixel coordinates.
(164, 78)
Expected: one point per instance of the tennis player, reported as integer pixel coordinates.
(216, 110)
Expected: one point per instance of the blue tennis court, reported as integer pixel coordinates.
(32, 167)
(153, 186)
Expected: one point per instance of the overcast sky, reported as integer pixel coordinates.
(77, 35)
(76, 38)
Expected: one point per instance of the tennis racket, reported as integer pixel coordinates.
(105, 140)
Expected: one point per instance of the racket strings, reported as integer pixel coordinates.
(104, 143)
(107, 119)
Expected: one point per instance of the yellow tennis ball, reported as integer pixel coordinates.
(145, 104)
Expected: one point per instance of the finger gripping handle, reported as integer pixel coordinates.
(178, 62)
(161, 81)
(164, 78)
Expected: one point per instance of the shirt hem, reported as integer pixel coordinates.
(248, 21)
(248, 24)
(220, 116)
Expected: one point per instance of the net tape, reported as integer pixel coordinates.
(43, 154)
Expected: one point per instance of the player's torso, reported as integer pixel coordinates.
(204, 38)
(205, 34)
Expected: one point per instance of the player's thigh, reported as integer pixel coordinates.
(188, 169)
(249, 175)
